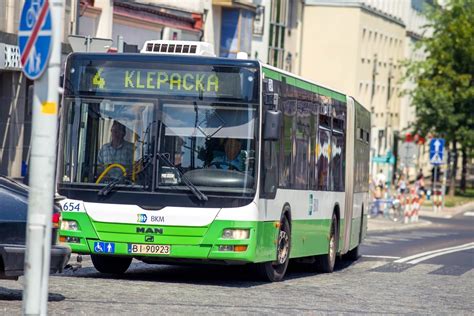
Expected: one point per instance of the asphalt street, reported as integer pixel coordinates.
(382, 281)
(442, 233)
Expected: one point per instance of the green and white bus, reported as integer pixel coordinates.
(145, 171)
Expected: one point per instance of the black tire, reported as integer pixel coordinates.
(274, 271)
(353, 255)
(325, 263)
(111, 264)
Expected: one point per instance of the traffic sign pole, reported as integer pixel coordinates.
(435, 190)
(437, 160)
(42, 173)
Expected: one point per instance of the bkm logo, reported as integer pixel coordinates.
(141, 218)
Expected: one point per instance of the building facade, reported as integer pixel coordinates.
(139, 21)
(361, 57)
(15, 101)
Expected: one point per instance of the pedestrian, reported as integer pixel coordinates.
(402, 184)
(420, 183)
(377, 194)
(380, 179)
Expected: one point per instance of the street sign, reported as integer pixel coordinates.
(34, 37)
(436, 151)
(390, 159)
(89, 44)
(407, 154)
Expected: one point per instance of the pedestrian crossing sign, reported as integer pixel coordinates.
(436, 151)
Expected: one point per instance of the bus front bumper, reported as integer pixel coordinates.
(185, 243)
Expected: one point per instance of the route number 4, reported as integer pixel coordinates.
(97, 80)
(71, 207)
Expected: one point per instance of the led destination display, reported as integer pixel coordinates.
(235, 85)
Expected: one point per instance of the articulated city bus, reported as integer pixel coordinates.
(172, 158)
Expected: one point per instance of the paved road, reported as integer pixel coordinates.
(442, 233)
(371, 285)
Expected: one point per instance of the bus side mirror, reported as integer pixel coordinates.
(272, 126)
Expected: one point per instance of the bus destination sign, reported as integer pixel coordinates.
(165, 82)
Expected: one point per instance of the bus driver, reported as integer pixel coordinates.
(232, 158)
(118, 151)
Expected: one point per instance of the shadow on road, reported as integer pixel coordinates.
(205, 274)
(17, 295)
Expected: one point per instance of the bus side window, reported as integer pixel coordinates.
(324, 142)
(270, 168)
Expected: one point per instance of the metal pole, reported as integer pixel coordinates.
(435, 189)
(88, 43)
(119, 44)
(443, 186)
(78, 16)
(43, 161)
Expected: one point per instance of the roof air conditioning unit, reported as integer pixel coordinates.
(178, 48)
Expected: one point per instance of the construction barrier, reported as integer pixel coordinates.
(412, 207)
(437, 199)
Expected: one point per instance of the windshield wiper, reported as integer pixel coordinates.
(198, 126)
(106, 190)
(109, 187)
(201, 196)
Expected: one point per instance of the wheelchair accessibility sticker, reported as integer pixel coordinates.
(104, 247)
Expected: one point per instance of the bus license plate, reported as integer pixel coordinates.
(149, 249)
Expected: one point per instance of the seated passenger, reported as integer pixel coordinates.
(232, 158)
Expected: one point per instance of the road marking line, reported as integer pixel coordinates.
(440, 254)
(397, 238)
(382, 257)
(469, 214)
(428, 253)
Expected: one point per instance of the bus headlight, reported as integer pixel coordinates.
(235, 233)
(69, 225)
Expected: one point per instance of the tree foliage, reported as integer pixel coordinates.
(444, 93)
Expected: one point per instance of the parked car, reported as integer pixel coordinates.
(13, 214)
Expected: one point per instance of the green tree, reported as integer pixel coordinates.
(444, 93)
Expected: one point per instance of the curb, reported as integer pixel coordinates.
(447, 212)
(386, 225)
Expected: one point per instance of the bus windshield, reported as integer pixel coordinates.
(112, 140)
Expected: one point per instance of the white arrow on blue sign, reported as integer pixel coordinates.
(437, 151)
(34, 37)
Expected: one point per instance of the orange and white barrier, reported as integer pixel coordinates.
(412, 207)
(437, 200)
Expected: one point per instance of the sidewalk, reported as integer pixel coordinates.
(384, 224)
(447, 212)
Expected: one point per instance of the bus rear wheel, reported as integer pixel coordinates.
(325, 263)
(274, 271)
(111, 264)
(354, 254)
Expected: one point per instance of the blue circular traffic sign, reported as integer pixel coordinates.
(34, 37)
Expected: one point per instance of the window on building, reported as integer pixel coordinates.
(278, 25)
(259, 21)
(236, 32)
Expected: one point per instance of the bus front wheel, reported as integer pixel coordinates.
(111, 264)
(325, 263)
(274, 271)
